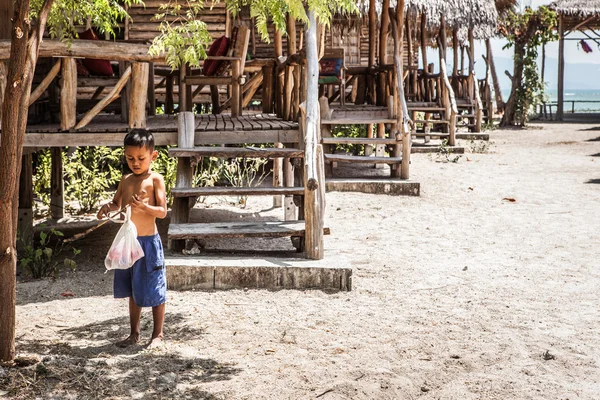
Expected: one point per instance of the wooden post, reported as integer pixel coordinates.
(290, 209)
(235, 89)
(124, 66)
(169, 103)
(289, 71)
(383, 36)
(180, 212)
(314, 176)
(455, 50)
(561, 69)
(278, 177)
(25, 223)
(57, 188)
(278, 78)
(139, 93)
(267, 89)
(402, 129)
(182, 88)
(424, 40)
(151, 90)
(68, 94)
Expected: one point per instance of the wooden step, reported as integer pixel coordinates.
(431, 121)
(430, 134)
(236, 191)
(239, 230)
(465, 116)
(347, 140)
(234, 152)
(345, 158)
(426, 109)
(358, 121)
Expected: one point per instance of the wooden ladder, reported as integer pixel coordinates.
(181, 229)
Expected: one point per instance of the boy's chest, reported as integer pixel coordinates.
(143, 188)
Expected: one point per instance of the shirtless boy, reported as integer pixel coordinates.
(145, 283)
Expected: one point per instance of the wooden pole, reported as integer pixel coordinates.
(57, 188)
(314, 183)
(180, 212)
(402, 129)
(25, 223)
(497, 89)
(561, 68)
(278, 177)
(424, 40)
(289, 71)
(139, 93)
(455, 50)
(68, 94)
(383, 36)
(151, 90)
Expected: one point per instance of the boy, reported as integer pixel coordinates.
(144, 283)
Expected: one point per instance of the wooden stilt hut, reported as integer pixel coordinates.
(577, 20)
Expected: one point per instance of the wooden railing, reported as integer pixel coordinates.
(449, 102)
(136, 74)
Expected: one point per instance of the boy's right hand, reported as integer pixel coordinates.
(103, 212)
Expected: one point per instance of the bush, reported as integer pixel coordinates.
(45, 260)
(90, 172)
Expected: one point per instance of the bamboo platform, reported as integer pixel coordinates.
(108, 130)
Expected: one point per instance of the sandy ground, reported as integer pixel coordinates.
(458, 294)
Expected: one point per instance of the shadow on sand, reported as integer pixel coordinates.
(70, 365)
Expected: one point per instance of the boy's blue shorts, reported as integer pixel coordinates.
(146, 281)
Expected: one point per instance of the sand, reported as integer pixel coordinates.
(458, 294)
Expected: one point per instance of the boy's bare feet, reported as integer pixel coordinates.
(156, 342)
(130, 341)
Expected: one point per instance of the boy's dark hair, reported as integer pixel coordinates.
(139, 138)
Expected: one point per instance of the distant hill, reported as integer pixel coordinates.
(577, 76)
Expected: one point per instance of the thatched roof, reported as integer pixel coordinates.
(577, 8)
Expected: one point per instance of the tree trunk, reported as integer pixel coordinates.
(497, 90)
(508, 119)
(23, 57)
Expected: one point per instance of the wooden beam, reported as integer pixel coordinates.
(110, 97)
(100, 49)
(25, 222)
(41, 88)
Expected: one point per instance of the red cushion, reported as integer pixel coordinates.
(95, 66)
(218, 48)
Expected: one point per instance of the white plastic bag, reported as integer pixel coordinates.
(125, 249)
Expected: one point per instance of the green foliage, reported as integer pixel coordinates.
(46, 258)
(89, 173)
(350, 131)
(65, 15)
(527, 32)
(445, 153)
(41, 177)
(480, 146)
(244, 172)
(275, 11)
(167, 167)
(183, 38)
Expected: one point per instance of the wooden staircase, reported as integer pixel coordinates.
(294, 189)
(386, 139)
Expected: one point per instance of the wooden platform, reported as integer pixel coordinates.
(333, 273)
(108, 130)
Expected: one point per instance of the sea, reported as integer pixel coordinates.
(585, 100)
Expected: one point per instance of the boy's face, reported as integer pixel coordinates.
(139, 159)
